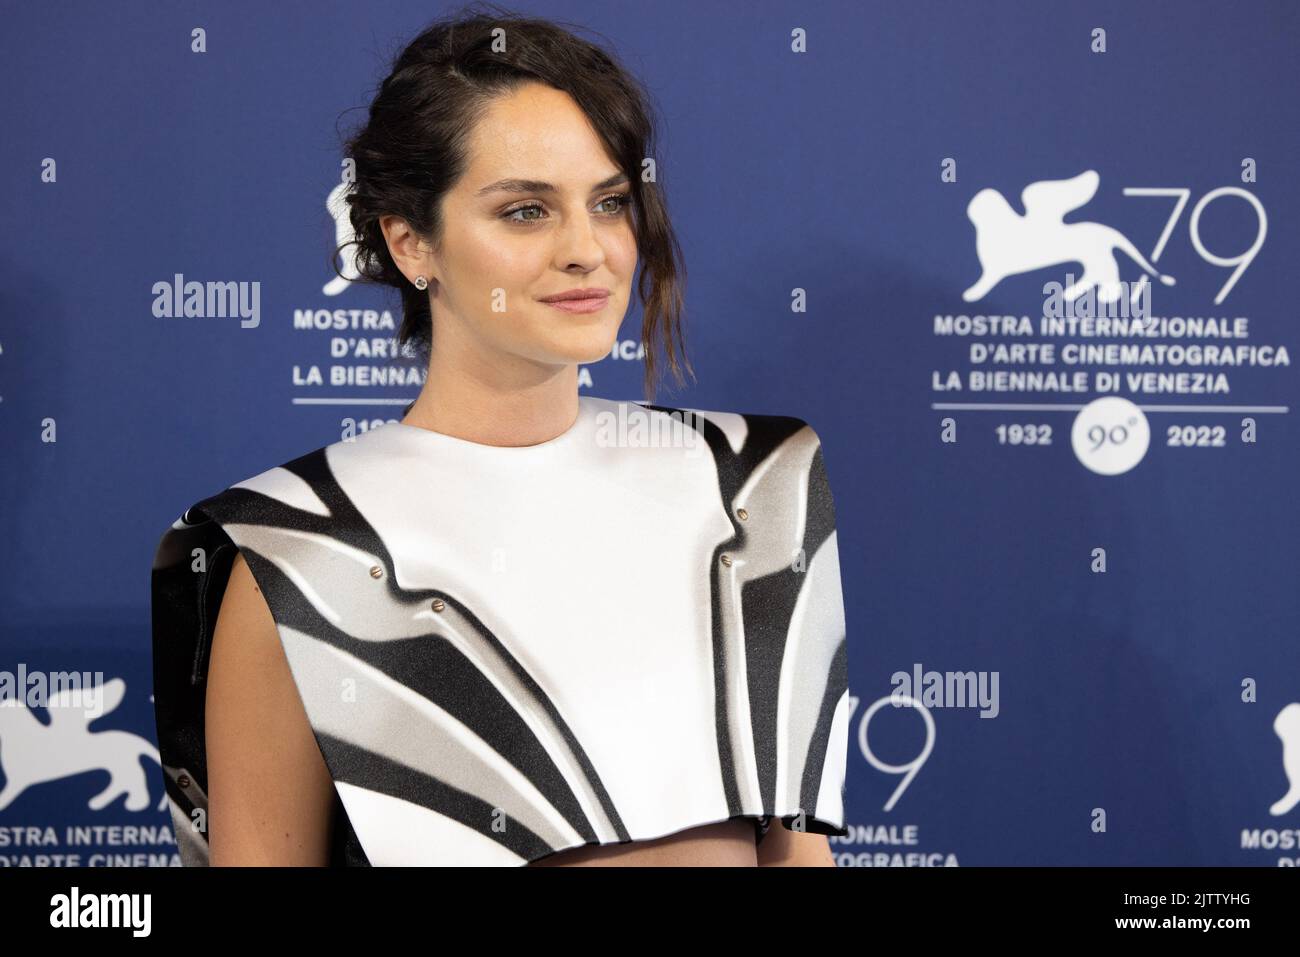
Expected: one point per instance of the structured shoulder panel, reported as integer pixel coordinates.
(627, 631)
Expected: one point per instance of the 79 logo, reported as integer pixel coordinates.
(1238, 263)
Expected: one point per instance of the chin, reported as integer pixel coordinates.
(579, 342)
(576, 353)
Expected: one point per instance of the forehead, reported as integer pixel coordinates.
(536, 130)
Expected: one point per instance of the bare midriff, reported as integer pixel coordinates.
(724, 844)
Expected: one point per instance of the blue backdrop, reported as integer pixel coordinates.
(1124, 571)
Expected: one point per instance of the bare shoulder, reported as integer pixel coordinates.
(270, 793)
(244, 608)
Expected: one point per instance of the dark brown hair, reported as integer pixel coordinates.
(413, 149)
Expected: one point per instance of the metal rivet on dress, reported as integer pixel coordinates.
(438, 604)
(726, 559)
(376, 571)
(741, 514)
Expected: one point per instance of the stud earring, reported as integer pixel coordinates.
(421, 282)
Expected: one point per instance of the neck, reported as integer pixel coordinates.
(501, 400)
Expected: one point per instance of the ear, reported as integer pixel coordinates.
(411, 252)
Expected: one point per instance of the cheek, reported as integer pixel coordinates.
(490, 258)
(622, 252)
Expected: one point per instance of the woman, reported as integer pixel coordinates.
(520, 626)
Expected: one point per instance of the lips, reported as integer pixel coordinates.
(583, 305)
(573, 295)
(579, 300)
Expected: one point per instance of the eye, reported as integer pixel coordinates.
(509, 214)
(621, 199)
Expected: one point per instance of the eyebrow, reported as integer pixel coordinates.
(538, 186)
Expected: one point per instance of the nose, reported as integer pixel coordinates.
(577, 245)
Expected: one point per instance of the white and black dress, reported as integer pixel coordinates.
(629, 630)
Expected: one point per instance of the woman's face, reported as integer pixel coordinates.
(540, 210)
